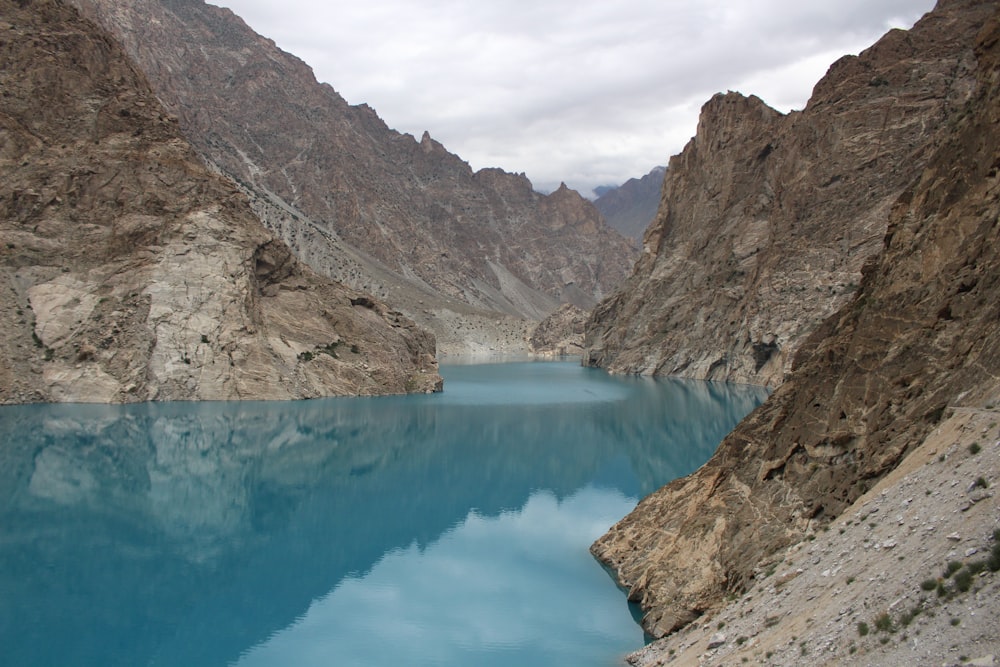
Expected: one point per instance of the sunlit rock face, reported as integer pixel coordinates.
(130, 272)
(920, 336)
(767, 219)
(391, 213)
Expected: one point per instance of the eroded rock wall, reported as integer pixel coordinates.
(766, 220)
(129, 272)
(920, 337)
(333, 171)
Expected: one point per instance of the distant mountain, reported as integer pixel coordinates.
(360, 202)
(631, 207)
(131, 272)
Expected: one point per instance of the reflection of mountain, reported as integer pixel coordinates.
(185, 533)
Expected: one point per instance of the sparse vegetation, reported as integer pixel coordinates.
(884, 623)
(963, 580)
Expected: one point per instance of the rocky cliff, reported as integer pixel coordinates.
(918, 339)
(424, 231)
(632, 206)
(130, 272)
(767, 219)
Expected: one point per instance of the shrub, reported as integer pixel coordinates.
(974, 448)
(928, 584)
(963, 580)
(863, 628)
(884, 623)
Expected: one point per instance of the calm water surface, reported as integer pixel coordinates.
(423, 530)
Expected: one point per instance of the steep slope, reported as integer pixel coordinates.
(632, 206)
(129, 272)
(767, 219)
(920, 338)
(324, 172)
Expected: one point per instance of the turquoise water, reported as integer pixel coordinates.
(443, 530)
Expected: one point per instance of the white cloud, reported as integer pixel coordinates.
(582, 92)
(520, 588)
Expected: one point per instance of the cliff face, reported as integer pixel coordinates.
(920, 337)
(129, 272)
(767, 219)
(631, 207)
(324, 173)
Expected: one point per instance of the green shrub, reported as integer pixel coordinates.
(884, 623)
(863, 628)
(963, 580)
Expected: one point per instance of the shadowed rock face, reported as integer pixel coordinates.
(631, 207)
(767, 219)
(922, 334)
(129, 272)
(419, 224)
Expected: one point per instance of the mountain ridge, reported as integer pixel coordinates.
(767, 219)
(485, 239)
(130, 272)
(916, 342)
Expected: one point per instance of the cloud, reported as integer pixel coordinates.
(520, 588)
(586, 93)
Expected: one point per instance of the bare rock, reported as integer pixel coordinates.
(561, 333)
(391, 213)
(129, 272)
(921, 334)
(767, 220)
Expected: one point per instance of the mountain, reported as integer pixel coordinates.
(767, 219)
(130, 272)
(913, 347)
(632, 206)
(358, 201)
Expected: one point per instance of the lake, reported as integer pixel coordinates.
(447, 529)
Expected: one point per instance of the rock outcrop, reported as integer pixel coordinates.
(919, 338)
(130, 272)
(631, 207)
(561, 333)
(767, 219)
(424, 231)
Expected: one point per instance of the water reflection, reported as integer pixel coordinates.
(190, 533)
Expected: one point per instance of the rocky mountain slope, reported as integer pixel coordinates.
(632, 206)
(767, 219)
(130, 272)
(421, 229)
(919, 340)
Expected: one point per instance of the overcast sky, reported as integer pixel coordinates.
(579, 91)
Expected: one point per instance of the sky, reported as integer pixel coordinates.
(578, 91)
